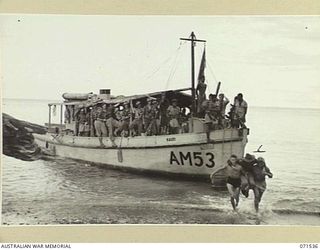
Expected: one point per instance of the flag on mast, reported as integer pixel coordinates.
(201, 87)
(201, 77)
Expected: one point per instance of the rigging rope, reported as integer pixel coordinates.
(208, 86)
(164, 62)
(174, 68)
(211, 70)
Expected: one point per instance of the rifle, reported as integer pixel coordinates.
(131, 112)
(218, 88)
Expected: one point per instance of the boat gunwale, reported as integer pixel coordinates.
(213, 142)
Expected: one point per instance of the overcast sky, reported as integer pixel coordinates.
(273, 61)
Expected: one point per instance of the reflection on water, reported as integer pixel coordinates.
(56, 190)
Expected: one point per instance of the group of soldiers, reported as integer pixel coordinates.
(109, 120)
(213, 111)
(156, 117)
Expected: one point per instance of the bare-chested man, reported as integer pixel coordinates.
(233, 172)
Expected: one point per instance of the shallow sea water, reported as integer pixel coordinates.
(64, 191)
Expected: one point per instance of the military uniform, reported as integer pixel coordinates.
(125, 121)
(137, 123)
(212, 111)
(222, 105)
(83, 120)
(147, 116)
(201, 91)
(240, 111)
(67, 116)
(164, 104)
(111, 122)
(174, 114)
(99, 123)
(150, 116)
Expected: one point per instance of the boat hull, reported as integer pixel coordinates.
(176, 155)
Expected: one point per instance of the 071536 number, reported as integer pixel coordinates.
(310, 245)
(192, 158)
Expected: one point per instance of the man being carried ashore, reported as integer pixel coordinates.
(247, 180)
(260, 171)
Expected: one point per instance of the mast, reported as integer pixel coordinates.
(193, 39)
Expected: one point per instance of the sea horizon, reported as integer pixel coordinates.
(254, 106)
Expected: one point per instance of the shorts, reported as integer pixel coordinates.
(174, 123)
(234, 182)
(84, 127)
(208, 118)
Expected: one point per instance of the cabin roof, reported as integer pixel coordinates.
(184, 99)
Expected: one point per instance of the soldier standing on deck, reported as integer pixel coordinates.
(163, 106)
(201, 94)
(240, 110)
(125, 119)
(223, 102)
(152, 116)
(83, 120)
(99, 123)
(211, 116)
(118, 118)
(137, 123)
(184, 121)
(147, 114)
(173, 112)
(111, 122)
(156, 126)
(92, 119)
(67, 115)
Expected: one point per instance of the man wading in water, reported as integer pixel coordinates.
(242, 177)
(260, 171)
(234, 172)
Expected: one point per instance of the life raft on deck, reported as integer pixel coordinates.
(76, 96)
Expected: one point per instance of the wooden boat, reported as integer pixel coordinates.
(185, 154)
